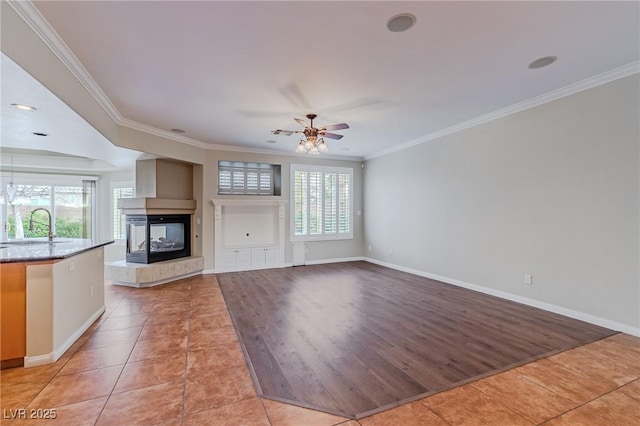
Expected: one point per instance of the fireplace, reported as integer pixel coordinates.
(152, 238)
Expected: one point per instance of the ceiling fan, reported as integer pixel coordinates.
(314, 137)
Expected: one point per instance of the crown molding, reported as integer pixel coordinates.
(589, 83)
(145, 128)
(218, 147)
(34, 19)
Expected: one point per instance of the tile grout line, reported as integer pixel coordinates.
(125, 363)
(186, 357)
(588, 402)
(57, 373)
(266, 413)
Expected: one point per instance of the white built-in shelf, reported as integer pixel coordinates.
(231, 218)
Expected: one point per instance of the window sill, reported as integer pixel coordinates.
(310, 238)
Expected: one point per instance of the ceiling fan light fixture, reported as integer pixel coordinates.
(313, 141)
(308, 145)
(322, 147)
(301, 147)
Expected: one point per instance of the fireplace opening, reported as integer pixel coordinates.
(152, 238)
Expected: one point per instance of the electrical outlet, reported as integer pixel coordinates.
(369, 247)
(91, 291)
(72, 266)
(528, 279)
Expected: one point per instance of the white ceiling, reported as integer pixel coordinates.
(76, 145)
(229, 72)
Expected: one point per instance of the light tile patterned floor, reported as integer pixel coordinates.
(169, 355)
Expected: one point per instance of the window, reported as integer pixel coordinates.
(119, 219)
(68, 199)
(322, 206)
(236, 178)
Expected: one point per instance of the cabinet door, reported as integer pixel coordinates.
(257, 257)
(271, 255)
(13, 311)
(243, 257)
(229, 257)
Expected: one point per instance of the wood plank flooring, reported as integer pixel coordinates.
(355, 338)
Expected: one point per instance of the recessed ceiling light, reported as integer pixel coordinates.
(543, 62)
(40, 134)
(177, 131)
(272, 141)
(401, 22)
(24, 107)
(345, 149)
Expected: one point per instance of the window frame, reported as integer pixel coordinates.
(114, 207)
(52, 181)
(323, 236)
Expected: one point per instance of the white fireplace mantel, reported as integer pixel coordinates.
(222, 248)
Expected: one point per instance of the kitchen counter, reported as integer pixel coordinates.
(51, 293)
(39, 249)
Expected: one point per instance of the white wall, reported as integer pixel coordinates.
(63, 299)
(551, 191)
(116, 251)
(317, 250)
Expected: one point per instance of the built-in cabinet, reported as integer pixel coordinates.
(239, 259)
(236, 258)
(266, 256)
(249, 233)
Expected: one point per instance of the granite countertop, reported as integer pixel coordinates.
(36, 249)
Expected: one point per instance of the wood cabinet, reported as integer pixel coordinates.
(13, 308)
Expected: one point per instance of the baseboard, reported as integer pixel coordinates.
(336, 260)
(57, 353)
(582, 316)
(207, 271)
(34, 361)
(251, 268)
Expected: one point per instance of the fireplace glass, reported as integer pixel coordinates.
(151, 238)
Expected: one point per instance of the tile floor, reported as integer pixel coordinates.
(169, 355)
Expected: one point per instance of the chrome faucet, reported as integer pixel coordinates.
(49, 224)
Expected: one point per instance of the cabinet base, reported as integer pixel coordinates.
(11, 363)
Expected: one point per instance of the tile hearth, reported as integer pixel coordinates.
(152, 274)
(169, 355)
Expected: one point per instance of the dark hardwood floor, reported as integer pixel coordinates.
(355, 338)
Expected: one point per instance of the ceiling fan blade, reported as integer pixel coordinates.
(330, 135)
(301, 122)
(339, 126)
(283, 132)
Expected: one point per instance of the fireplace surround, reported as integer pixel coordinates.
(153, 238)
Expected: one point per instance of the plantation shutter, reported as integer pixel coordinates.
(321, 207)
